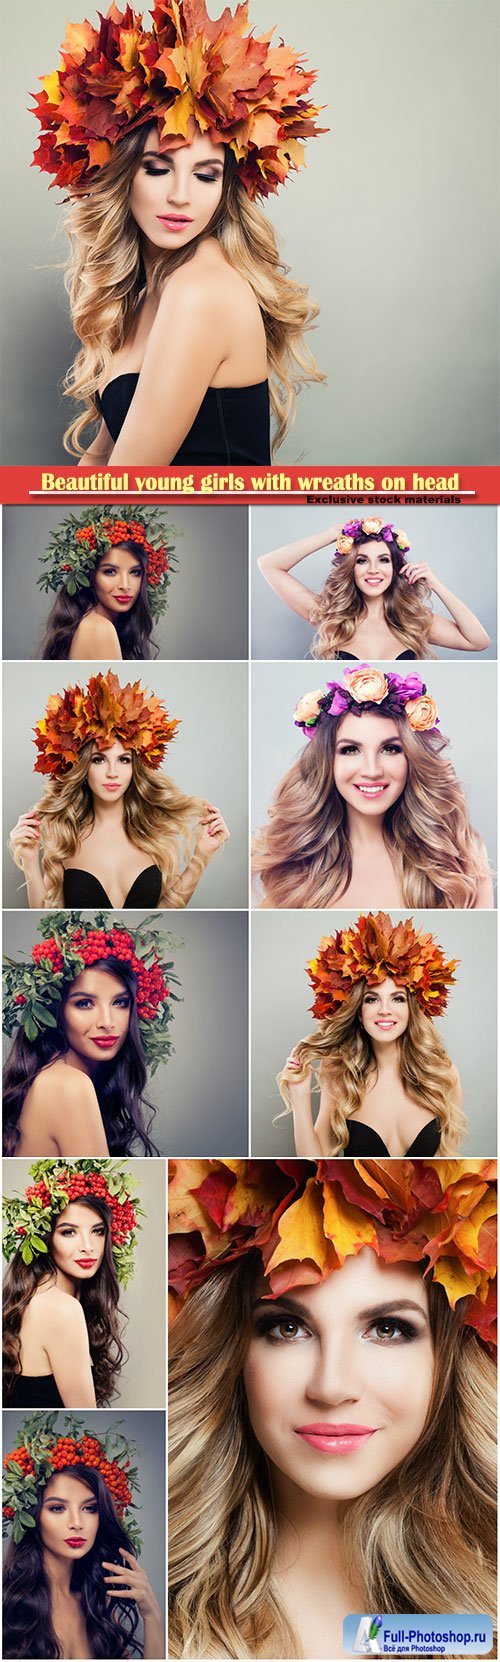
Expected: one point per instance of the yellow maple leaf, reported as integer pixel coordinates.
(79, 39)
(455, 1280)
(347, 1226)
(52, 86)
(301, 1230)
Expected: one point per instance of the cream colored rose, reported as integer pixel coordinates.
(309, 706)
(402, 540)
(371, 527)
(422, 713)
(366, 685)
(344, 545)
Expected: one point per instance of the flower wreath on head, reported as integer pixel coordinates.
(69, 945)
(28, 1218)
(373, 949)
(102, 713)
(305, 1217)
(42, 1448)
(369, 530)
(80, 541)
(365, 686)
(186, 71)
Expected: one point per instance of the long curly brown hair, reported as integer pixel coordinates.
(341, 606)
(158, 818)
(99, 1301)
(105, 279)
(303, 855)
(341, 1054)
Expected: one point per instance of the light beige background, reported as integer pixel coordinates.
(393, 224)
(141, 1383)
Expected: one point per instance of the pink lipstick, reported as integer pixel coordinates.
(86, 1263)
(106, 1044)
(335, 1439)
(174, 222)
(76, 1541)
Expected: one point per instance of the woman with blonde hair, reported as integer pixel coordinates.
(387, 1084)
(372, 599)
(106, 808)
(332, 1403)
(189, 325)
(372, 813)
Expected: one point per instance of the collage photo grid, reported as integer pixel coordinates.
(250, 807)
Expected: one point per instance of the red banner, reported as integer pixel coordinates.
(343, 485)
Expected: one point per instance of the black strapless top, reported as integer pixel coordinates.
(81, 888)
(35, 1391)
(364, 1142)
(356, 660)
(232, 423)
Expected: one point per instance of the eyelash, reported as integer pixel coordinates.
(98, 1230)
(391, 748)
(369, 999)
(161, 173)
(123, 758)
(111, 571)
(266, 1327)
(89, 1508)
(120, 1003)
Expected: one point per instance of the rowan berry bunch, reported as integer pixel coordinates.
(42, 1449)
(80, 541)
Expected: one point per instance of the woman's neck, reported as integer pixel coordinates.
(58, 1572)
(107, 813)
(309, 1527)
(365, 830)
(375, 608)
(387, 1058)
(81, 1063)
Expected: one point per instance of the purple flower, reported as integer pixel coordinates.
(410, 687)
(350, 530)
(339, 702)
(386, 533)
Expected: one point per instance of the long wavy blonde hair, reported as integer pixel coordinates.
(421, 1539)
(105, 279)
(341, 606)
(303, 855)
(158, 819)
(340, 1054)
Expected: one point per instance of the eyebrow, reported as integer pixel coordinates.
(387, 1308)
(62, 1502)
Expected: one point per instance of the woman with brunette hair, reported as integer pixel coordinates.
(86, 1016)
(69, 1242)
(372, 599)
(110, 575)
(79, 1594)
(340, 1344)
(189, 325)
(387, 1085)
(107, 807)
(372, 812)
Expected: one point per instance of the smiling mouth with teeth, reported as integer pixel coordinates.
(371, 790)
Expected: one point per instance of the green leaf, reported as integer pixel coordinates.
(30, 1029)
(26, 1253)
(38, 1244)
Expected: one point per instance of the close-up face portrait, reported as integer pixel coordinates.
(68, 1518)
(373, 570)
(117, 580)
(338, 1377)
(110, 773)
(78, 1241)
(370, 766)
(96, 1015)
(385, 1011)
(176, 192)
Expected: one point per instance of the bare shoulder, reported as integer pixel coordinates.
(59, 1086)
(96, 636)
(55, 1311)
(209, 277)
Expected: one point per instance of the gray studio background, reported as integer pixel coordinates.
(138, 1387)
(460, 546)
(393, 225)
(207, 757)
(282, 944)
(148, 1431)
(466, 697)
(201, 1093)
(207, 615)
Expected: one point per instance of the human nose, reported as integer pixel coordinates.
(74, 1524)
(335, 1375)
(111, 768)
(104, 1017)
(177, 186)
(372, 765)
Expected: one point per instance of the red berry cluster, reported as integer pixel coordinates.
(20, 1457)
(89, 1452)
(76, 1184)
(87, 534)
(8, 1512)
(152, 988)
(158, 564)
(20, 999)
(48, 951)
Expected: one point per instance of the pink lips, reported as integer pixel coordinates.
(123, 599)
(174, 222)
(74, 1542)
(335, 1439)
(106, 1044)
(86, 1263)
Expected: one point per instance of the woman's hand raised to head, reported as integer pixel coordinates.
(298, 1078)
(213, 832)
(25, 839)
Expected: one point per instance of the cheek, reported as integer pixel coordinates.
(272, 1377)
(403, 1384)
